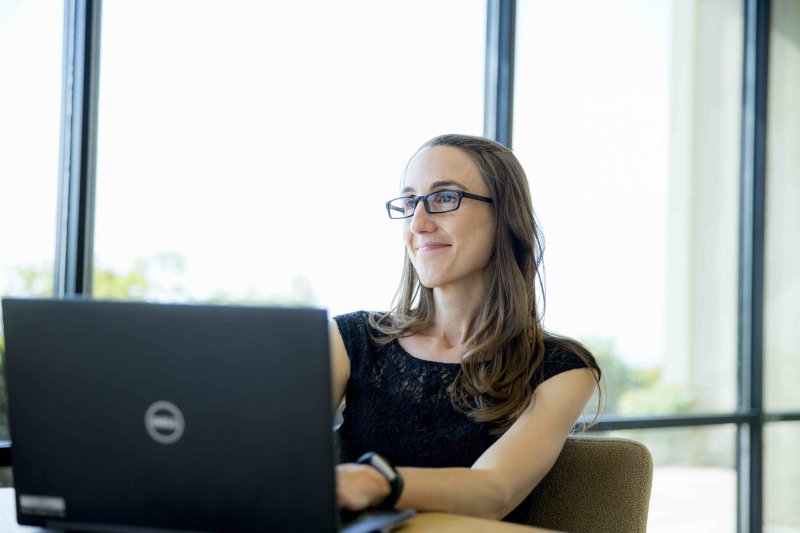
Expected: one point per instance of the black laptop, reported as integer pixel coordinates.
(143, 417)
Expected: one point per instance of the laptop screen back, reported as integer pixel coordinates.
(170, 416)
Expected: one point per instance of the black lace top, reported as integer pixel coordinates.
(399, 405)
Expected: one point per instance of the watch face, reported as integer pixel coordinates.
(387, 470)
(383, 465)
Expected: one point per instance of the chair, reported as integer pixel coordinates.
(598, 484)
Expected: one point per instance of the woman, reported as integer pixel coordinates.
(458, 385)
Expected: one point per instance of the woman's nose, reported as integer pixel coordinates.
(421, 220)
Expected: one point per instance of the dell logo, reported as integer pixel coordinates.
(164, 422)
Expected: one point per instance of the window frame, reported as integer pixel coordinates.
(75, 223)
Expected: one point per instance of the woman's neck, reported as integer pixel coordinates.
(455, 309)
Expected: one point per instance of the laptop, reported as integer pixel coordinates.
(150, 417)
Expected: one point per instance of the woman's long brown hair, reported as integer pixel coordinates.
(502, 358)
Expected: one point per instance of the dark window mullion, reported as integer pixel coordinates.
(751, 263)
(617, 423)
(498, 109)
(75, 222)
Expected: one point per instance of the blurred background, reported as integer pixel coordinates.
(245, 150)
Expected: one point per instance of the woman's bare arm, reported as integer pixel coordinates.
(340, 364)
(509, 469)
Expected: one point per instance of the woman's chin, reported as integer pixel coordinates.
(433, 282)
(429, 282)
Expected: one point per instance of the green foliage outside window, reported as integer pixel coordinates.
(640, 392)
(636, 391)
(156, 277)
(150, 278)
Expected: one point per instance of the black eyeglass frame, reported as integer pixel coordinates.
(460, 194)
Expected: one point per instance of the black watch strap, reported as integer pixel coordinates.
(382, 465)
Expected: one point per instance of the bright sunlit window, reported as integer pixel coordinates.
(249, 160)
(30, 111)
(627, 118)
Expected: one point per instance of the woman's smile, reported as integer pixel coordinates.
(431, 247)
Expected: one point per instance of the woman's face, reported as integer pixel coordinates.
(454, 248)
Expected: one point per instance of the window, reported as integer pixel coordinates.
(629, 134)
(782, 259)
(782, 272)
(694, 477)
(628, 119)
(30, 99)
(782, 470)
(250, 160)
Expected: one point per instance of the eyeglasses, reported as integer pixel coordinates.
(435, 202)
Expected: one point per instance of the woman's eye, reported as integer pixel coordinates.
(445, 198)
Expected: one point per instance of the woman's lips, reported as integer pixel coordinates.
(432, 247)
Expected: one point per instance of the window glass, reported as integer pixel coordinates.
(627, 120)
(782, 272)
(250, 159)
(30, 100)
(694, 477)
(781, 472)
(782, 254)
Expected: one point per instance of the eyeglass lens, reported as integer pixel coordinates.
(437, 202)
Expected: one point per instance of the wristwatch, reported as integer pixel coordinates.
(382, 465)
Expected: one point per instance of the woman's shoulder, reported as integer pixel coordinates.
(361, 319)
(562, 354)
(355, 327)
(351, 323)
(351, 317)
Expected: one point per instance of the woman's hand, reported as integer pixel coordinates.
(360, 486)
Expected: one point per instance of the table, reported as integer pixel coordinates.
(452, 523)
(422, 522)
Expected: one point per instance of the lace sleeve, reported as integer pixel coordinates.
(353, 328)
(560, 360)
